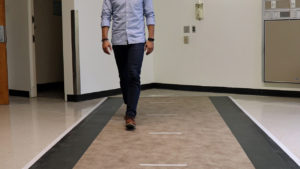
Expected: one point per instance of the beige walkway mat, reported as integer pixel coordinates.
(172, 132)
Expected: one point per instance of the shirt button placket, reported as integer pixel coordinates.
(126, 20)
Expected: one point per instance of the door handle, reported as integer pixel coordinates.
(2, 34)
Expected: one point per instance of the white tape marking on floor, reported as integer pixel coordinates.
(165, 133)
(161, 102)
(163, 165)
(157, 95)
(170, 114)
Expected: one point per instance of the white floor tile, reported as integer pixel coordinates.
(28, 126)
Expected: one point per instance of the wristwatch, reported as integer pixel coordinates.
(105, 39)
(151, 39)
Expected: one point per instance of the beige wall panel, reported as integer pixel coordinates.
(268, 5)
(283, 4)
(282, 52)
(297, 3)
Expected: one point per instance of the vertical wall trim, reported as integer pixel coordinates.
(32, 56)
(75, 52)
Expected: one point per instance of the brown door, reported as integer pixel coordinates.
(3, 60)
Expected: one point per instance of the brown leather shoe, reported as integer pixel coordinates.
(130, 123)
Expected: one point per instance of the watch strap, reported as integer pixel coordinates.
(151, 39)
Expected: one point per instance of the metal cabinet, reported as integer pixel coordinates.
(282, 41)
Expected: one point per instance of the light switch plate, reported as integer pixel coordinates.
(186, 29)
(186, 40)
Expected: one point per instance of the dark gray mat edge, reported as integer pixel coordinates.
(66, 153)
(263, 152)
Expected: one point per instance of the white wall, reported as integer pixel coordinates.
(48, 43)
(18, 52)
(225, 51)
(98, 70)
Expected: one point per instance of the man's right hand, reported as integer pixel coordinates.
(106, 46)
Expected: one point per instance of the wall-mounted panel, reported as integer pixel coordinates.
(268, 5)
(283, 4)
(297, 3)
(282, 51)
(282, 39)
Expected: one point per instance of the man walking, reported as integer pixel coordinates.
(129, 44)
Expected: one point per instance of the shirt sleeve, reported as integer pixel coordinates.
(149, 12)
(106, 13)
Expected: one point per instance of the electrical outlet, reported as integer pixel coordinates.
(194, 29)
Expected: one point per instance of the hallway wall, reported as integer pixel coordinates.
(98, 70)
(225, 51)
(48, 43)
(18, 53)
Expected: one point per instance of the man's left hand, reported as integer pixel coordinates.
(149, 47)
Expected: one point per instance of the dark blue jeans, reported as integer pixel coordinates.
(129, 59)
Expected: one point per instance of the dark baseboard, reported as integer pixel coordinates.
(96, 95)
(50, 86)
(247, 91)
(19, 93)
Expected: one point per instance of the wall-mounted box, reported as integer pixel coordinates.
(281, 41)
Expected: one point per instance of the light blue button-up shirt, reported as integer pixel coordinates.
(128, 25)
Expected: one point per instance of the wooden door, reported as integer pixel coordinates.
(3, 59)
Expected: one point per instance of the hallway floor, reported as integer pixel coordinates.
(29, 127)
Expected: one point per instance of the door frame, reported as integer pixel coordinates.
(4, 70)
(32, 57)
(67, 6)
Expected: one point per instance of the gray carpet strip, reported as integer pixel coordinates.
(66, 153)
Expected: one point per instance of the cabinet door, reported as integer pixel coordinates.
(282, 51)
